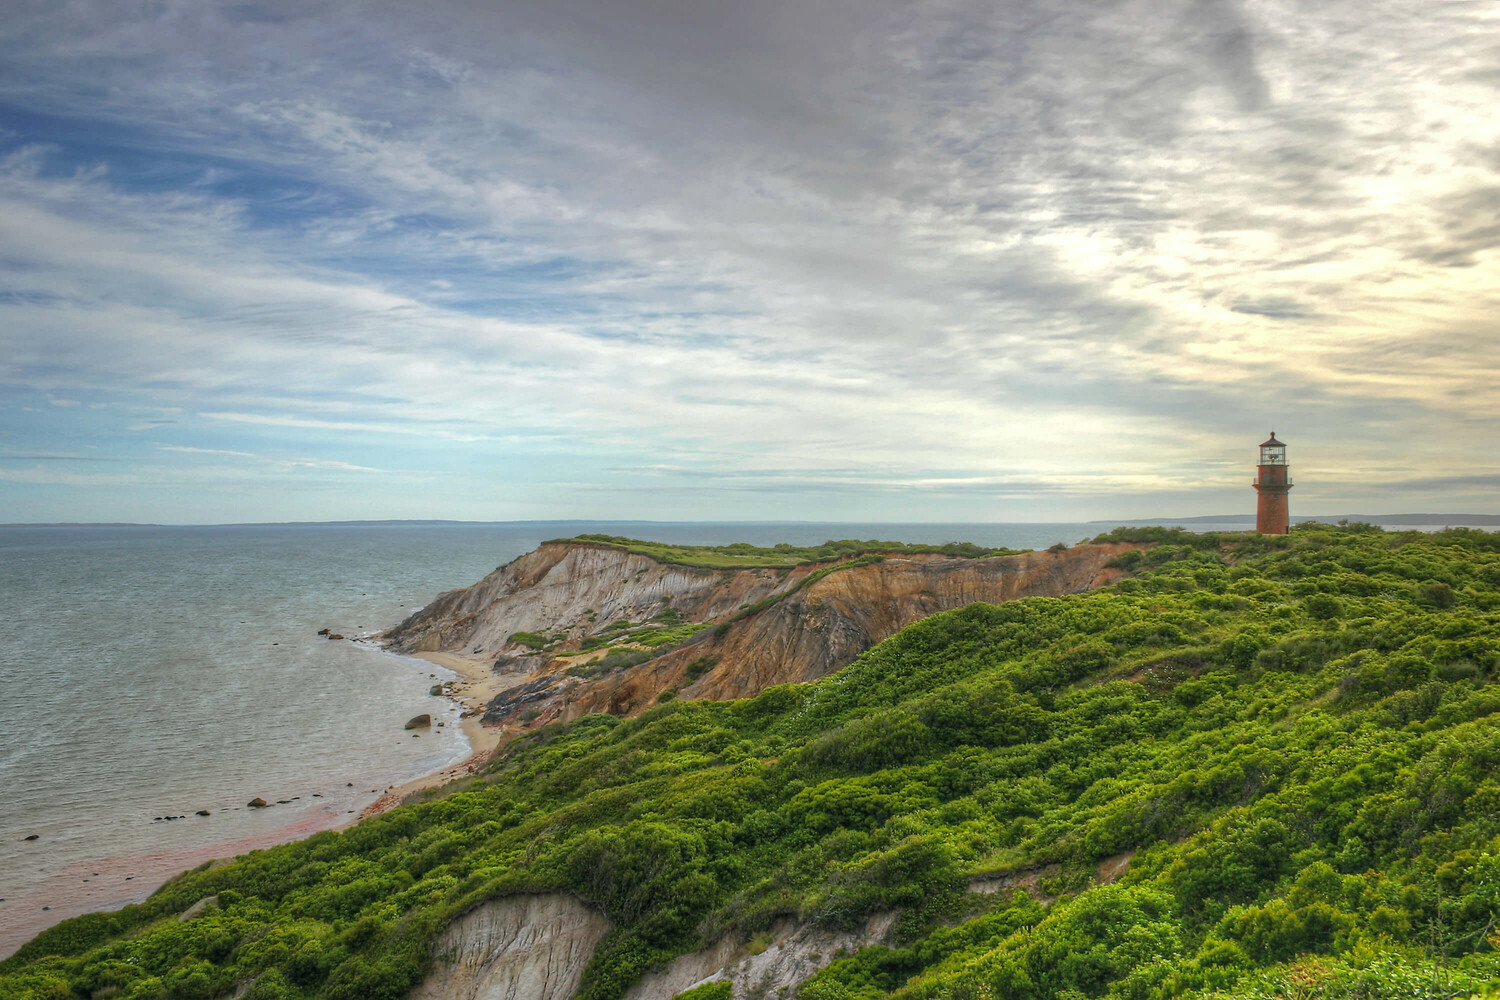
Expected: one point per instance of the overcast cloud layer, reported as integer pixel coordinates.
(952, 260)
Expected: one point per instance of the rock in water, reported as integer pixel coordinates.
(420, 722)
(258, 803)
(323, 631)
(334, 635)
(436, 689)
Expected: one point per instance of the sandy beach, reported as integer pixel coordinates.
(111, 882)
(477, 685)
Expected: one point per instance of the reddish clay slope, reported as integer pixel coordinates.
(808, 634)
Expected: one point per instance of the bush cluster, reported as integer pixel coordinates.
(1291, 741)
(743, 555)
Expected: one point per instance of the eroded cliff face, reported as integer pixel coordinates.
(536, 947)
(577, 590)
(515, 948)
(580, 589)
(796, 952)
(825, 625)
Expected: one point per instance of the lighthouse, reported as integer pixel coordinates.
(1272, 483)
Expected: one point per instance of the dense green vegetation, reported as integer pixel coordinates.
(743, 555)
(1295, 736)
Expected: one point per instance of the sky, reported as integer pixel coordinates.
(926, 260)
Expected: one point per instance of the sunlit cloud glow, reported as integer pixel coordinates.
(938, 261)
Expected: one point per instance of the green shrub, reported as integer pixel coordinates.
(1323, 607)
(701, 666)
(1436, 594)
(1295, 803)
(533, 639)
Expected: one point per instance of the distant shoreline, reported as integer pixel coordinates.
(1450, 520)
(1455, 520)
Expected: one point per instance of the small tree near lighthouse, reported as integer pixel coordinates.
(1272, 482)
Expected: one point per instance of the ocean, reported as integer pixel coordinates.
(148, 673)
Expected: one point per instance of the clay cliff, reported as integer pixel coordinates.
(755, 628)
(536, 947)
(580, 589)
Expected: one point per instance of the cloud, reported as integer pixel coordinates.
(952, 246)
(1480, 483)
(6, 456)
(1273, 308)
(287, 463)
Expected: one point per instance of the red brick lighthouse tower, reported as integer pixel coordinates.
(1272, 484)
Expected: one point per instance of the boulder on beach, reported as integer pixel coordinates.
(258, 803)
(419, 722)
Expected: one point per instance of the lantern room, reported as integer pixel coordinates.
(1272, 451)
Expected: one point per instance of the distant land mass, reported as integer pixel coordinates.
(1424, 519)
(411, 522)
(1453, 519)
(288, 524)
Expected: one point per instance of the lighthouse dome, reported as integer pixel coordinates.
(1271, 442)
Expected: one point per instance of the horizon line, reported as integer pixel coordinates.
(1431, 518)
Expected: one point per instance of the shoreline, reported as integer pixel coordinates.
(60, 895)
(477, 685)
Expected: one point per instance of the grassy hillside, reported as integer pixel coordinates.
(1297, 736)
(743, 555)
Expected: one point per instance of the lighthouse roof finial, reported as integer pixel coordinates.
(1272, 441)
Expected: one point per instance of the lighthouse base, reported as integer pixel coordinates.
(1271, 513)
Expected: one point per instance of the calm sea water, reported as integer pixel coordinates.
(153, 672)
